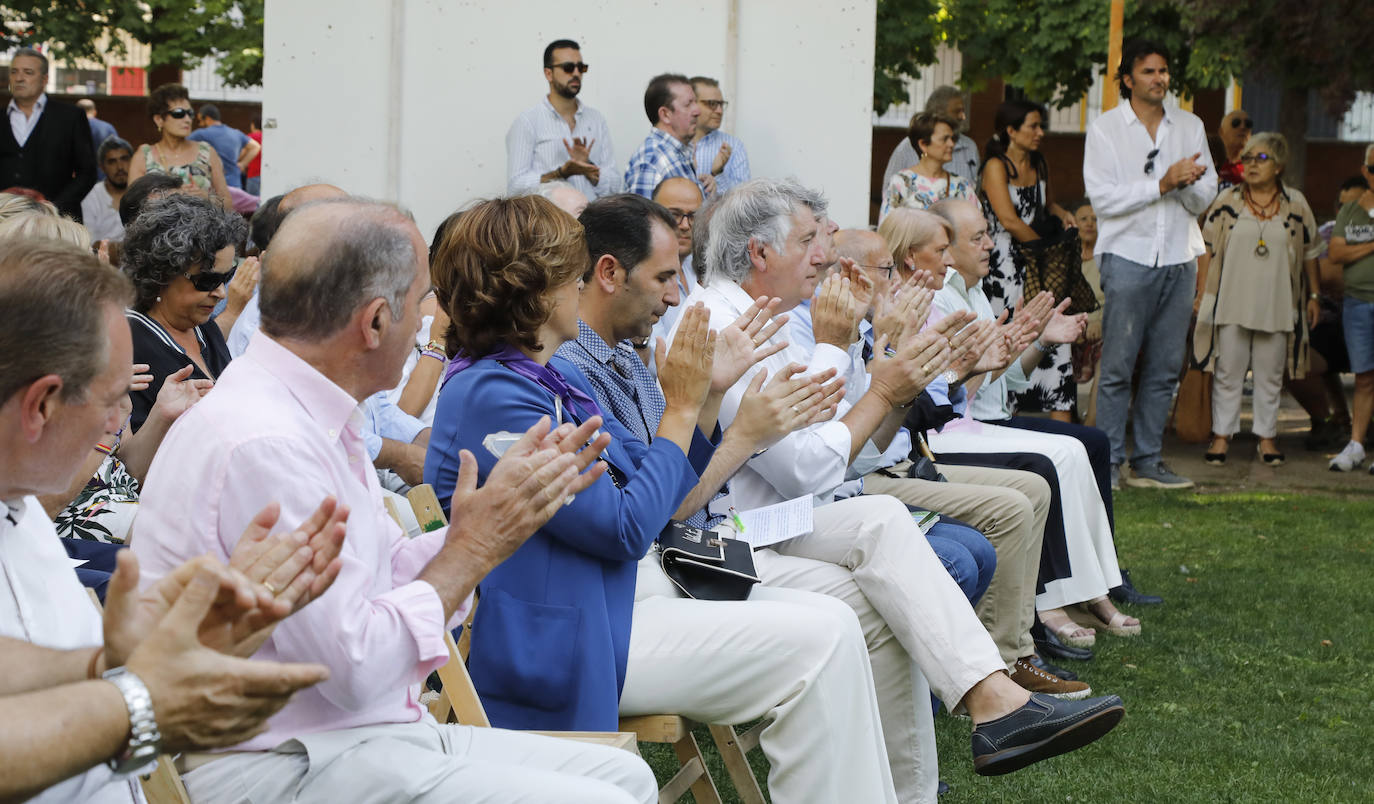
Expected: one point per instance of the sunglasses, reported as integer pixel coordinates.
(715, 105)
(1255, 159)
(1150, 161)
(570, 67)
(179, 113)
(1237, 122)
(206, 281)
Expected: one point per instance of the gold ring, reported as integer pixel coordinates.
(274, 590)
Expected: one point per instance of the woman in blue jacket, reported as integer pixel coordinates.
(551, 636)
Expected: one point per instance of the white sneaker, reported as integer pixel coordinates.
(1349, 458)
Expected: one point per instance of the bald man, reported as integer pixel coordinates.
(1007, 506)
(682, 198)
(341, 295)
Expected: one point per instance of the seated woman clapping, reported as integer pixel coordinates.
(552, 631)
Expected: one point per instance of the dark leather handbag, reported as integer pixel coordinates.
(1055, 261)
(705, 565)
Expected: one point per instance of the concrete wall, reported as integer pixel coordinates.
(411, 99)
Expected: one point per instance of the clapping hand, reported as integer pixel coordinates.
(790, 401)
(245, 281)
(178, 393)
(900, 374)
(722, 156)
(685, 372)
(580, 159)
(835, 312)
(746, 342)
(1062, 328)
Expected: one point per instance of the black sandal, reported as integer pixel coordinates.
(1216, 458)
(1269, 458)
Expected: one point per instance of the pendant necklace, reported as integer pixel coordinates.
(1262, 214)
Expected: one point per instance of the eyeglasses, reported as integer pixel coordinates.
(571, 67)
(715, 105)
(206, 281)
(179, 112)
(1255, 159)
(679, 216)
(887, 268)
(1237, 122)
(1150, 161)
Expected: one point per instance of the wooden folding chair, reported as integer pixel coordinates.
(675, 730)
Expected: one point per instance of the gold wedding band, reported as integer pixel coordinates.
(274, 590)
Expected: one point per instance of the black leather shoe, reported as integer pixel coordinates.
(942, 789)
(1045, 667)
(1045, 727)
(1127, 593)
(1047, 644)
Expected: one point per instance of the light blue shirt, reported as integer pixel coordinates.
(244, 327)
(534, 146)
(736, 167)
(384, 420)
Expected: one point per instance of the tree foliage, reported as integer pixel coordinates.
(180, 33)
(1052, 49)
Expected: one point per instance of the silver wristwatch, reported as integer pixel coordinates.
(145, 741)
(951, 378)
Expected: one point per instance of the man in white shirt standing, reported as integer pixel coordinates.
(100, 207)
(1150, 175)
(561, 138)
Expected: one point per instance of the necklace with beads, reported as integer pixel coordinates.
(1263, 213)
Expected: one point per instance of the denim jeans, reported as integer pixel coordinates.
(1146, 317)
(968, 556)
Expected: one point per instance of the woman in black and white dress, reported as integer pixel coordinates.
(1014, 181)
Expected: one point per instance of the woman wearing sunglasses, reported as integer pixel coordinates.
(195, 163)
(179, 252)
(1257, 294)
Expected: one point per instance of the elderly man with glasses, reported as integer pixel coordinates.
(561, 138)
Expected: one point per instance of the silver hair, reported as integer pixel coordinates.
(940, 97)
(757, 211)
(1273, 142)
(33, 54)
(366, 258)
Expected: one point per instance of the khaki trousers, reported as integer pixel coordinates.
(1009, 507)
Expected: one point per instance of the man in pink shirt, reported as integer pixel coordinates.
(340, 295)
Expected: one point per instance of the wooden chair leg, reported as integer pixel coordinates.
(733, 752)
(689, 753)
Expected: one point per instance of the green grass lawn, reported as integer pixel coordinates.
(1254, 682)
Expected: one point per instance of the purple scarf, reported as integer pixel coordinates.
(574, 400)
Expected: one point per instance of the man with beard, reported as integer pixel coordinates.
(561, 138)
(100, 207)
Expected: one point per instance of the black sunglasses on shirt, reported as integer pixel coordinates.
(1150, 161)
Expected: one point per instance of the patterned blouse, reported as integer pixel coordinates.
(910, 189)
(196, 173)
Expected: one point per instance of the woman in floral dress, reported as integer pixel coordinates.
(927, 181)
(1015, 185)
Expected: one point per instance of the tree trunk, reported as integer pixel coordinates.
(1293, 126)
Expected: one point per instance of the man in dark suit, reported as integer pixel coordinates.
(47, 144)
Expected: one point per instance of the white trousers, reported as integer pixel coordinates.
(1263, 353)
(428, 763)
(796, 658)
(917, 624)
(1087, 530)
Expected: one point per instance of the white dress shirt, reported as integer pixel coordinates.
(99, 215)
(991, 403)
(807, 462)
(42, 602)
(22, 126)
(534, 146)
(1133, 220)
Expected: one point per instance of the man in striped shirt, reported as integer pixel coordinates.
(561, 138)
(672, 108)
(720, 153)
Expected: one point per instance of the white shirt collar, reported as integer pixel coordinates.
(37, 105)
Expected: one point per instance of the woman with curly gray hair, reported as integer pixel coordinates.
(179, 252)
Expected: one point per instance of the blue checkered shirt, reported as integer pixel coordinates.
(736, 170)
(660, 156)
(626, 390)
